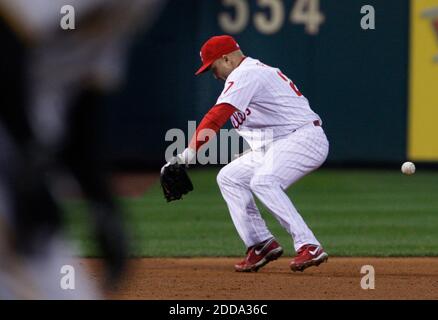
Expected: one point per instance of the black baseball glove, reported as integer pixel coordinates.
(175, 181)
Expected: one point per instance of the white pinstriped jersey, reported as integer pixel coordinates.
(269, 104)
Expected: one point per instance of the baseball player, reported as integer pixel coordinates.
(287, 142)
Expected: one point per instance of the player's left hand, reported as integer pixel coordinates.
(174, 178)
(175, 181)
(186, 157)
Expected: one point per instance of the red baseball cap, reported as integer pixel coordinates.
(214, 48)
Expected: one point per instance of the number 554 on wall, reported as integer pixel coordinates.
(304, 12)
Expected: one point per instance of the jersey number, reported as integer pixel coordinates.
(291, 84)
(229, 86)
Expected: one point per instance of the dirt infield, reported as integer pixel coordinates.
(133, 184)
(214, 278)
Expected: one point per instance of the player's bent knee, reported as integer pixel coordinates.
(263, 182)
(223, 177)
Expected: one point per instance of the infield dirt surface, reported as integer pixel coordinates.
(214, 278)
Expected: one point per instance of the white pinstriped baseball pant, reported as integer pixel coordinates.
(267, 175)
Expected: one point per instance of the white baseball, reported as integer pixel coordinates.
(408, 168)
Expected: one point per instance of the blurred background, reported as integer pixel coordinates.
(372, 88)
(375, 90)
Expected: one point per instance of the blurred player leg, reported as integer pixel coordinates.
(32, 251)
(82, 155)
(30, 199)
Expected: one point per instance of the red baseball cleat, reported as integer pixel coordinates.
(259, 255)
(307, 256)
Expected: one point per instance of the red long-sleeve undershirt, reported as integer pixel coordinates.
(214, 119)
